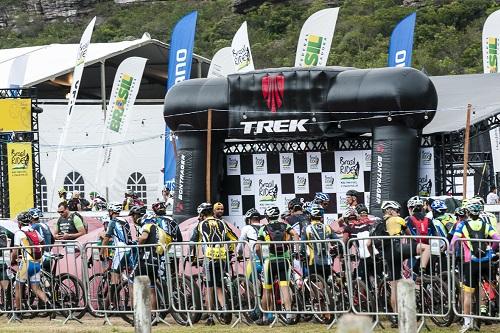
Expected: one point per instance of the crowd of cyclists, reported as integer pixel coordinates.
(313, 247)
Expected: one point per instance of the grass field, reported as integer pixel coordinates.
(96, 325)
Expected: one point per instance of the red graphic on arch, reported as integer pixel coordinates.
(273, 88)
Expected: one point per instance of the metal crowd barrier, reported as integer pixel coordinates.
(111, 270)
(49, 286)
(378, 263)
(477, 279)
(303, 280)
(208, 279)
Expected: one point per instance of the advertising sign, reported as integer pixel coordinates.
(15, 114)
(20, 176)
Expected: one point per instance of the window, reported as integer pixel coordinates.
(74, 182)
(44, 194)
(137, 183)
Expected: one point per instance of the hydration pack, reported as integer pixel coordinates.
(478, 248)
(277, 233)
(33, 240)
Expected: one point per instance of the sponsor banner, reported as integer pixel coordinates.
(349, 166)
(77, 76)
(268, 192)
(20, 176)
(341, 203)
(286, 199)
(301, 183)
(367, 199)
(401, 43)
(15, 114)
(329, 182)
(368, 159)
(247, 185)
(240, 49)
(286, 163)
(495, 148)
(221, 64)
(313, 162)
(233, 165)
(315, 38)
(259, 164)
(490, 37)
(329, 219)
(426, 180)
(121, 101)
(235, 205)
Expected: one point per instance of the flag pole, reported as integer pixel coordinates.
(209, 154)
(466, 149)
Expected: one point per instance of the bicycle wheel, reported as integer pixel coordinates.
(297, 303)
(125, 313)
(244, 290)
(186, 294)
(94, 297)
(162, 303)
(321, 299)
(361, 297)
(434, 300)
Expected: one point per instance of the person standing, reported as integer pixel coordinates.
(492, 197)
(69, 225)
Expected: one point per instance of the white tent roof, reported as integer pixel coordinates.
(455, 92)
(28, 66)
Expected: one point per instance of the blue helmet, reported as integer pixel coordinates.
(320, 197)
(35, 213)
(439, 206)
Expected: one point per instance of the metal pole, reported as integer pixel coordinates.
(466, 149)
(103, 88)
(142, 305)
(209, 155)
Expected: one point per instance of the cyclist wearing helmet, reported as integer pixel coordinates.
(487, 217)
(418, 224)
(97, 203)
(277, 264)
(131, 199)
(249, 234)
(63, 195)
(167, 223)
(119, 232)
(443, 222)
(209, 230)
(69, 225)
(351, 198)
(29, 266)
(322, 199)
(297, 219)
(43, 229)
(476, 255)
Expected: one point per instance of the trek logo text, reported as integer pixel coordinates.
(274, 126)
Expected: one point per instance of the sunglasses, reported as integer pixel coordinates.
(60, 211)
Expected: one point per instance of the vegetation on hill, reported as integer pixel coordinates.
(447, 35)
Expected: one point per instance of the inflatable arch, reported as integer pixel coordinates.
(314, 102)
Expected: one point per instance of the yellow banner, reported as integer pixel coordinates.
(15, 114)
(20, 177)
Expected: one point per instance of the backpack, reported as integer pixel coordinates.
(422, 228)
(73, 204)
(85, 224)
(478, 248)
(33, 240)
(319, 232)
(277, 233)
(378, 229)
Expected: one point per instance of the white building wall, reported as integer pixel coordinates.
(86, 130)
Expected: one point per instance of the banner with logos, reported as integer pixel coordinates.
(315, 38)
(490, 42)
(350, 166)
(75, 86)
(180, 58)
(401, 44)
(233, 164)
(426, 178)
(20, 176)
(15, 114)
(222, 63)
(240, 49)
(121, 101)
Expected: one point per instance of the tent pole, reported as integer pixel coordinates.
(209, 154)
(103, 88)
(466, 149)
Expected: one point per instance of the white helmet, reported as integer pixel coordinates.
(390, 204)
(115, 207)
(415, 201)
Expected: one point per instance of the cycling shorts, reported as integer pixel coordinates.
(276, 269)
(120, 261)
(472, 273)
(215, 271)
(28, 271)
(396, 254)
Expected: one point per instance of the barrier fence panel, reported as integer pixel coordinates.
(42, 281)
(111, 272)
(207, 278)
(378, 263)
(477, 279)
(303, 280)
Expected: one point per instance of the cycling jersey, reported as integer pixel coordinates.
(270, 233)
(443, 224)
(490, 219)
(317, 252)
(461, 232)
(214, 230)
(119, 231)
(297, 222)
(171, 228)
(394, 225)
(359, 230)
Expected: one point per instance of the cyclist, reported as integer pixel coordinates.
(69, 225)
(443, 222)
(63, 195)
(137, 212)
(296, 219)
(351, 198)
(97, 202)
(249, 234)
(476, 255)
(418, 224)
(489, 218)
(43, 229)
(393, 251)
(277, 264)
(209, 230)
(29, 267)
(119, 232)
(322, 199)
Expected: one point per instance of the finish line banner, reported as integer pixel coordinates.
(20, 176)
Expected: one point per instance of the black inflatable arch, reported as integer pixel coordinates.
(302, 102)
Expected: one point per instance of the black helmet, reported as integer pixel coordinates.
(24, 218)
(137, 210)
(295, 203)
(251, 213)
(361, 208)
(272, 213)
(159, 208)
(205, 208)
